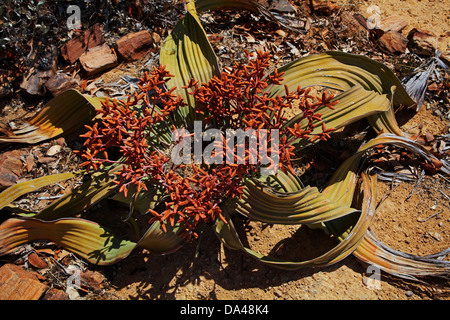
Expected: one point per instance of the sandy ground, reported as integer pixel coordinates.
(431, 15)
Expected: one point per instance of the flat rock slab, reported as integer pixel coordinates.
(98, 59)
(10, 168)
(134, 46)
(75, 47)
(422, 42)
(393, 23)
(394, 42)
(18, 284)
(61, 82)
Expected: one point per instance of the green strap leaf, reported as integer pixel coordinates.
(227, 233)
(65, 113)
(19, 189)
(81, 198)
(304, 206)
(403, 265)
(82, 237)
(87, 239)
(368, 88)
(187, 54)
(341, 189)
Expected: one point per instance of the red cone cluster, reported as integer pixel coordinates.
(239, 99)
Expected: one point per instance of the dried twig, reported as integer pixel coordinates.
(422, 174)
(432, 216)
(444, 194)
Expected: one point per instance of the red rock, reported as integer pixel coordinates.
(61, 141)
(393, 42)
(361, 20)
(435, 87)
(98, 59)
(422, 42)
(215, 37)
(18, 284)
(56, 294)
(61, 82)
(393, 23)
(324, 7)
(92, 279)
(46, 159)
(281, 33)
(29, 162)
(429, 137)
(355, 24)
(36, 261)
(282, 6)
(10, 168)
(35, 77)
(134, 46)
(75, 47)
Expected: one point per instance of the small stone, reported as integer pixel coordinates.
(393, 42)
(436, 235)
(18, 284)
(409, 293)
(98, 59)
(393, 23)
(422, 42)
(135, 46)
(53, 150)
(282, 6)
(46, 159)
(10, 168)
(55, 294)
(29, 162)
(36, 261)
(61, 82)
(437, 112)
(278, 293)
(60, 141)
(92, 279)
(156, 37)
(281, 33)
(324, 7)
(75, 47)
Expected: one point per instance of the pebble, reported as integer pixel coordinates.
(437, 112)
(436, 236)
(54, 150)
(278, 293)
(409, 293)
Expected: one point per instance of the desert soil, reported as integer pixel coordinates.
(205, 269)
